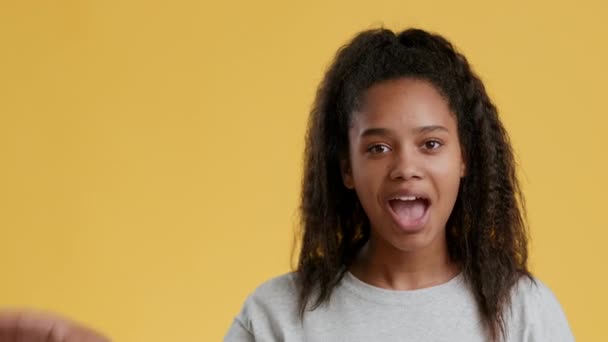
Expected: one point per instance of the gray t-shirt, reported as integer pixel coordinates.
(358, 311)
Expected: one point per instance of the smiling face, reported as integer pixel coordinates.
(405, 164)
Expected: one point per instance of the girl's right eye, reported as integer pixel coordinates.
(378, 149)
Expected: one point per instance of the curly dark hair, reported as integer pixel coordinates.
(486, 232)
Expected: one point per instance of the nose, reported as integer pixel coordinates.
(405, 166)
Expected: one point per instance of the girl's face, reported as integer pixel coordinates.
(405, 164)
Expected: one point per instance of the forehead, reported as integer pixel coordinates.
(403, 102)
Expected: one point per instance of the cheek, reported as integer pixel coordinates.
(448, 170)
(368, 178)
(448, 199)
(447, 178)
(368, 173)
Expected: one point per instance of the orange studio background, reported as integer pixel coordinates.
(150, 151)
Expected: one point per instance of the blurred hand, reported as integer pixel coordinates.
(30, 326)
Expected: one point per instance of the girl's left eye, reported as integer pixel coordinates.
(432, 144)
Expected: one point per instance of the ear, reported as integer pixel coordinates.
(347, 174)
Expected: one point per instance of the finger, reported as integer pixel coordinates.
(28, 326)
(8, 326)
(82, 334)
(34, 327)
(58, 331)
(65, 330)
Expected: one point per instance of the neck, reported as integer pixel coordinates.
(394, 269)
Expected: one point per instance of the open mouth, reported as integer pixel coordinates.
(410, 212)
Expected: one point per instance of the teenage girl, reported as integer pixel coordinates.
(412, 216)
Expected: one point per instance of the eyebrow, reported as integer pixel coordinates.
(386, 131)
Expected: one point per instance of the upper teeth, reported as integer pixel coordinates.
(406, 198)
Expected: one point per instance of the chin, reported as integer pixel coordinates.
(414, 242)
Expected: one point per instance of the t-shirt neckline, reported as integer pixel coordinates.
(386, 296)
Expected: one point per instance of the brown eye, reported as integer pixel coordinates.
(432, 144)
(378, 148)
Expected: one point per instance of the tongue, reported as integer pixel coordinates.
(409, 211)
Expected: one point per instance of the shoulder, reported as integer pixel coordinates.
(533, 295)
(536, 314)
(273, 305)
(280, 290)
